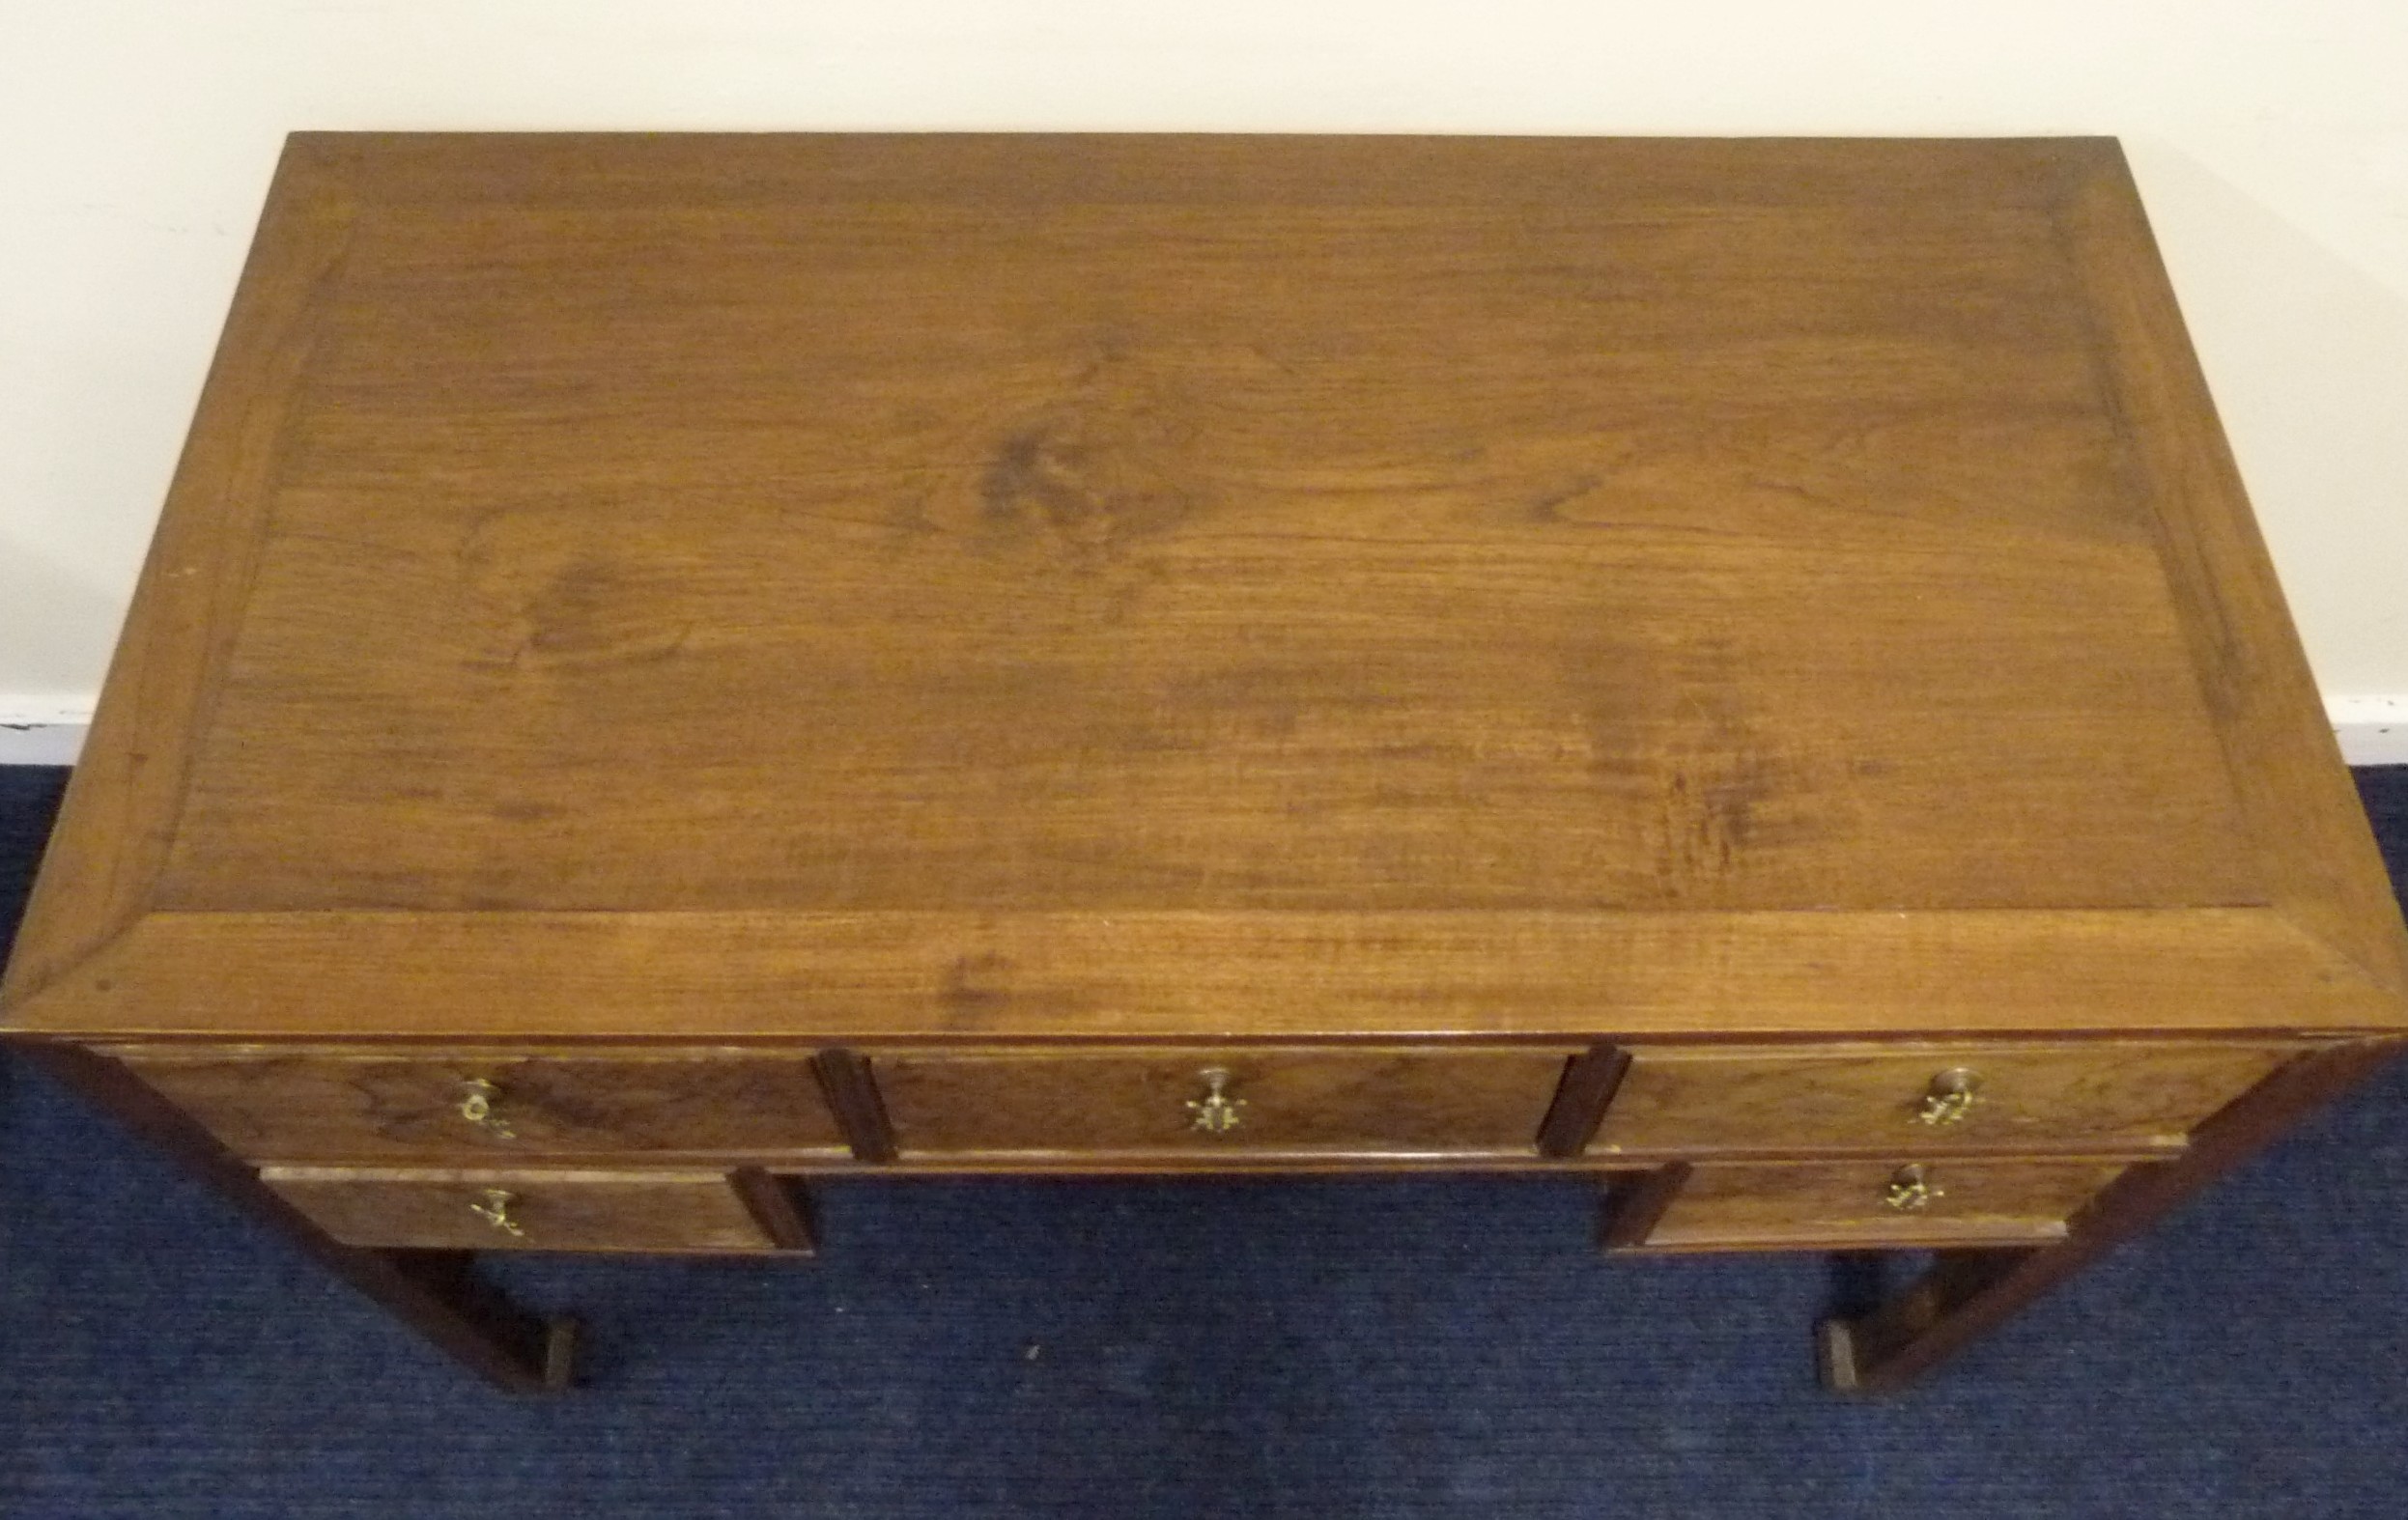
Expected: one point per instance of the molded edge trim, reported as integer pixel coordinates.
(832, 978)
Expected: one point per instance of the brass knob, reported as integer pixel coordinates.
(478, 1100)
(1216, 1113)
(495, 1210)
(1950, 1096)
(1910, 1191)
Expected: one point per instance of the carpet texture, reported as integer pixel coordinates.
(1323, 1349)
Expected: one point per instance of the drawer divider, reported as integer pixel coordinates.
(1590, 1081)
(852, 1092)
(1635, 1203)
(780, 1206)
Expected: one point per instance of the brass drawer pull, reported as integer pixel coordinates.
(1910, 1191)
(1216, 1113)
(478, 1105)
(1950, 1097)
(496, 1211)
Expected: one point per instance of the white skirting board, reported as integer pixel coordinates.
(2373, 730)
(37, 730)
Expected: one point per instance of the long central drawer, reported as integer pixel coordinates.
(1368, 1101)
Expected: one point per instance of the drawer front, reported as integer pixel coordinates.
(2107, 1095)
(331, 1105)
(1352, 1101)
(1876, 1203)
(556, 1210)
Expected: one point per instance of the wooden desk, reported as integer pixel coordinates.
(677, 665)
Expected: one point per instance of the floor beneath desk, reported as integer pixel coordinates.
(1318, 1349)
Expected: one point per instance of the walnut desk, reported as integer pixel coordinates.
(676, 666)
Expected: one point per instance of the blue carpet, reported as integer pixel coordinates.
(1319, 1349)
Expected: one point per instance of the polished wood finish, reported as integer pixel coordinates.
(2316, 862)
(553, 1209)
(2101, 1096)
(1280, 435)
(118, 819)
(329, 1104)
(1966, 1293)
(1843, 1204)
(437, 1293)
(1180, 976)
(787, 654)
(1358, 1101)
(1038, 547)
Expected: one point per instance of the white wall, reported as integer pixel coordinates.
(136, 137)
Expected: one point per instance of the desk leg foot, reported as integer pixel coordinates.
(560, 1338)
(1968, 1292)
(1835, 1355)
(1964, 1293)
(439, 1294)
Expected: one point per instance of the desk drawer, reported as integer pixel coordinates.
(1340, 1101)
(322, 1103)
(544, 1210)
(2105, 1096)
(1881, 1202)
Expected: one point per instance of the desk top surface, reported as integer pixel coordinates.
(1011, 540)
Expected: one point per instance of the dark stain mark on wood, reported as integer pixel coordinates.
(968, 992)
(1547, 505)
(1079, 488)
(597, 610)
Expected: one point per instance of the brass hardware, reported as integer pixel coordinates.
(496, 1211)
(477, 1098)
(1950, 1096)
(1910, 1191)
(1216, 1112)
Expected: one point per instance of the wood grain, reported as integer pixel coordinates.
(833, 978)
(2316, 854)
(2098, 1096)
(662, 545)
(996, 172)
(1840, 1204)
(1381, 614)
(1358, 1101)
(699, 1212)
(335, 1104)
(965, 540)
(117, 822)
(439, 1294)
(1966, 1293)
